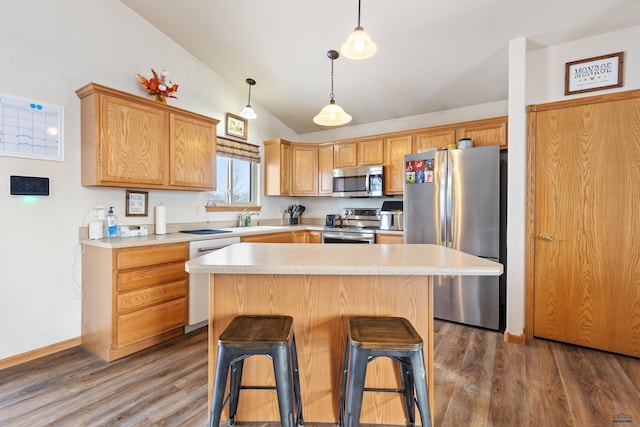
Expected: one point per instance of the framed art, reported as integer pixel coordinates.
(597, 73)
(236, 126)
(137, 203)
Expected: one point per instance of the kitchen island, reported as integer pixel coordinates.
(320, 286)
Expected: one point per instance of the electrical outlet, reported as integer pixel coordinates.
(196, 209)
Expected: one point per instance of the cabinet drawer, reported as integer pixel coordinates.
(148, 255)
(142, 324)
(144, 277)
(150, 296)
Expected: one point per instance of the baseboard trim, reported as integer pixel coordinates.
(39, 352)
(515, 339)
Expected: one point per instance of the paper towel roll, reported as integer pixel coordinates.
(161, 220)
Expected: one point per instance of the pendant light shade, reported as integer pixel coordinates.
(359, 44)
(247, 112)
(332, 114)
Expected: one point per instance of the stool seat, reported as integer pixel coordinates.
(384, 333)
(244, 337)
(370, 337)
(257, 331)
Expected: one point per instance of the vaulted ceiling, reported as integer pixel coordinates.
(432, 55)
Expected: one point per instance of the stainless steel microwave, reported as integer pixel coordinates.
(362, 181)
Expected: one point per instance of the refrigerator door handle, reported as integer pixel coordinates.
(450, 204)
(442, 220)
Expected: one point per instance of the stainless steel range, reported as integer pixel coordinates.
(357, 226)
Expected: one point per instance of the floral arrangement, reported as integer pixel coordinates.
(159, 86)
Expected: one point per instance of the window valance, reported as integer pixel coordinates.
(238, 150)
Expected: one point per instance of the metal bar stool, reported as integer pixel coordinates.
(251, 335)
(393, 337)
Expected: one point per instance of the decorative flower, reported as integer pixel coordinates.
(161, 87)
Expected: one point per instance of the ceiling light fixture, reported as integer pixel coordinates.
(247, 112)
(359, 44)
(332, 114)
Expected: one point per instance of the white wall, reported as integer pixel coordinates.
(543, 73)
(48, 50)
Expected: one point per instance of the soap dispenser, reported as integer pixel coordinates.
(111, 223)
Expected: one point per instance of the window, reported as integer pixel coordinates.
(235, 181)
(237, 173)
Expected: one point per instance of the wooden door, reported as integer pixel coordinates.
(587, 225)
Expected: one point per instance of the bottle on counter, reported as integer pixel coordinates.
(111, 223)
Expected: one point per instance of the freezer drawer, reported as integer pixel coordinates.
(472, 300)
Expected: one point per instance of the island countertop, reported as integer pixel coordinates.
(380, 259)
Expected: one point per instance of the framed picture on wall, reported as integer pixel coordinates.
(137, 203)
(597, 73)
(236, 126)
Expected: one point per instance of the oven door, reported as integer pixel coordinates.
(348, 237)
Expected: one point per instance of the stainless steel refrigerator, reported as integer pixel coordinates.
(452, 198)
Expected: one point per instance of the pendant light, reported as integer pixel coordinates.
(247, 112)
(332, 114)
(359, 44)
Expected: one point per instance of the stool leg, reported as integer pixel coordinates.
(234, 389)
(296, 383)
(420, 381)
(219, 385)
(358, 360)
(343, 390)
(284, 380)
(404, 364)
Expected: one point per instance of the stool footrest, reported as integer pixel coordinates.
(385, 390)
(257, 387)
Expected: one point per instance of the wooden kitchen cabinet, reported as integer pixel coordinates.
(435, 138)
(395, 150)
(370, 152)
(291, 169)
(295, 236)
(345, 155)
(389, 238)
(325, 168)
(304, 164)
(130, 141)
(133, 298)
(484, 132)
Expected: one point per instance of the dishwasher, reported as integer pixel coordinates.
(199, 282)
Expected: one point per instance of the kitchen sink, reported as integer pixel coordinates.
(207, 231)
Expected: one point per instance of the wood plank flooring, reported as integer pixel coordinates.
(480, 381)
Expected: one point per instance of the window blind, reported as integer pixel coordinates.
(238, 150)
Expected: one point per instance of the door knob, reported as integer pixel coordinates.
(546, 237)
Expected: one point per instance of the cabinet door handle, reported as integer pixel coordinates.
(546, 237)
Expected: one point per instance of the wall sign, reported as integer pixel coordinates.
(597, 73)
(137, 203)
(30, 129)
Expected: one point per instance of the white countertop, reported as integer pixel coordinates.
(380, 259)
(160, 239)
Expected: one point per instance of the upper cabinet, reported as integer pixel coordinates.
(484, 132)
(371, 152)
(434, 138)
(290, 168)
(345, 155)
(395, 149)
(325, 168)
(130, 141)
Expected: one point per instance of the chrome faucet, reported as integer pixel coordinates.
(242, 218)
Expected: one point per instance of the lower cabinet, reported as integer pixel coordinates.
(133, 298)
(297, 236)
(389, 238)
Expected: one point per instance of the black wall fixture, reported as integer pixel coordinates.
(29, 186)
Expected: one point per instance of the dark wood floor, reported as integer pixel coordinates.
(480, 381)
